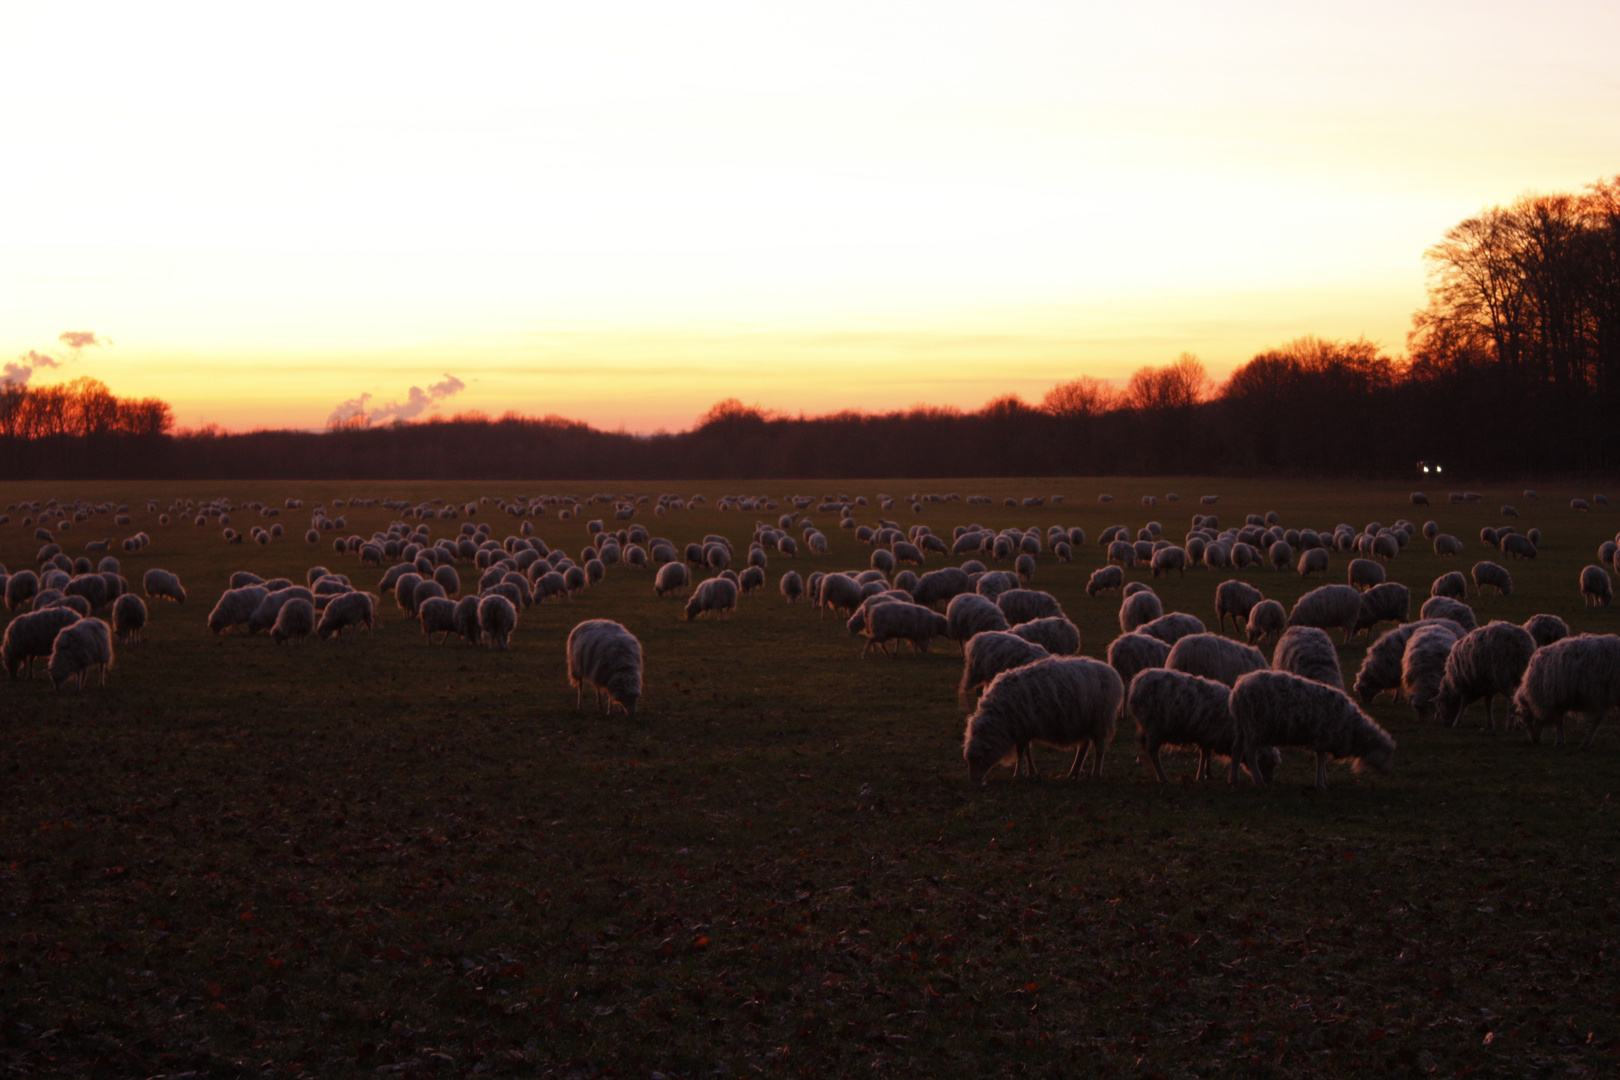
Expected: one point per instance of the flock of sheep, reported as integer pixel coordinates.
(1182, 685)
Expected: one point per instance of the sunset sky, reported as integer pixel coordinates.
(624, 212)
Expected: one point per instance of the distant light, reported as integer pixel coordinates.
(1425, 468)
(1438, 469)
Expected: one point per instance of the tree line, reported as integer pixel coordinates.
(1512, 368)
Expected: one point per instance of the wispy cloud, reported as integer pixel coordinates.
(417, 401)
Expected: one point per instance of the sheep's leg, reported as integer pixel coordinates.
(1321, 770)
(1597, 721)
(1153, 759)
(579, 695)
(1490, 712)
(1097, 762)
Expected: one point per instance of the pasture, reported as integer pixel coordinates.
(376, 856)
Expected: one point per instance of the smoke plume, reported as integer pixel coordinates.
(417, 401)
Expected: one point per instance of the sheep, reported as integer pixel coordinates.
(1131, 653)
(448, 579)
(1443, 607)
(1138, 609)
(1578, 674)
(1483, 663)
(128, 618)
(1580, 505)
(1105, 579)
(1175, 708)
(969, 614)
(1423, 666)
(990, 653)
(21, 589)
(1596, 588)
(1135, 587)
(465, 620)
(1214, 656)
(791, 586)
(264, 616)
(1520, 547)
(1326, 607)
(1172, 627)
(295, 621)
(1235, 599)
(1419, 499)
(1167, 559)
(1446, 544)
(1313, 561)
(1489, 573)
(438, 616)
(1276, 708)
(1381, 667)
(719, 595)
(1546, 629)
(752, 578)
(243, 578)
(1122, 552)
(942, 584)
(497, 618)
(347, 611)
(31, 635)
(992, 584)
(1450, 584)
(1281, 555)
(1267, 621)
(839, 592)
(1389, 602)
(1308, 652)
(78, 647)
(1056, 634)
(236, 607)
(1364, 574)
(1060, 701)
(672, 579)
(605, 655)
(1022, 605)
(902, 621)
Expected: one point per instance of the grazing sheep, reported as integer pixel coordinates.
(448, 579)
(603, 654)
(1135, 587)
(752, 578)
(1482, 664)
(264, 616)
(839, 592)
(78, 647)
(21, 588)
(991, 652)
(672, 578)
(438, 616)
(719, 595)
(1281, 555)
(497, 618)
(1175, 708)
(1446, 544)
(1024, 567)
(969, 614)
(1493, 575)
(236, 607)
(1326, 607)
(465, 620)
(1582, 505)
(1122, 552)
(295, 621)
(1235, 599)
(1389, 602)
(1546, 629)
(1276, 708)
(992, 584)
(1172, 626)
(1309, 653)
(129, 618)
(1313, 561)
(1267, 621)
(1056, 634)
(1364, 574)
(902, 621)
(1060, 701)
(1596, 588)
(1450, 584)
(1443, 607)
(1137, 609)
(1022, 605)
(791, 586)
(1214, 656)
(941, 584)
(1167, 559)
(1131, 653)
(1520, 547)
(30, 635)
(1423, 667)
(347, 611)
(1578, 674)
(1381, 667)
(1419, 499)
(1105, 579)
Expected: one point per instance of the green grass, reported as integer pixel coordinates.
(369, 855)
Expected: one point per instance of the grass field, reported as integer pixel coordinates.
(378, 857)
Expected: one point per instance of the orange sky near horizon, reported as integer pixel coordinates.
(625, 215)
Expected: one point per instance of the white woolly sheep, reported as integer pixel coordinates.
(672, 579)
(466, 620)
(991, 652)
(1267, 621)
(1276, 708)
(1381, 667)
(1138, 609)
(719, 596)
(438, 616)
(21, 588)
(1596, 588)
(1364, 574)
(1309, 653)
(839, 592)
(752, 578)
(1490, 574)
(347, 611)
(1122, 552)
(31, 635)
(1518, 546)
(1135, 587)
(1313, 561)
(1419, 499)
(1175, 708)
(1054, 633)
(902, 621)
(1172, 626)
(1022, 605)
(1167, 559)
(79, 647)
(1235, 599)
(1423, 667)
(1214, 656)
(1131, 653)
(128, 618)
(1443, 607)
(1482, 664)
(1450, 584)
(497, 618)
(1578, 674)
(236, 607)
(295, 621)
(791, 586)
(1546, 629)
(1580, 504)
(607, 657)
(969, 614)
(1446, 544)
(1105, 579)
(1060, 701)
(1326, 607)
(1389, 602)
(265, 615)
(1281, 555)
